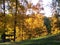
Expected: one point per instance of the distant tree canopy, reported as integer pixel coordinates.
(27, 26)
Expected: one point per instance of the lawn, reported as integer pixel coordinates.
(46, 40)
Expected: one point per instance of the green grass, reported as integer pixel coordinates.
(46, 40)
(42, 41)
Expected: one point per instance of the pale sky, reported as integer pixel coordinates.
(46, 5)
(34, 2)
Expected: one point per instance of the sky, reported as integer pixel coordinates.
(47, 7)
(46, 4)
(34, 2)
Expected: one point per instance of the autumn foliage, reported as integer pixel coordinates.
(29, 26)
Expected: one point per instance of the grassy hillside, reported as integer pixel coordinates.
(47, 40)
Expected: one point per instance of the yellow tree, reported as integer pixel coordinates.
(35, 26)
(54, 23)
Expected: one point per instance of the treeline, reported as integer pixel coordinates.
(29, 26)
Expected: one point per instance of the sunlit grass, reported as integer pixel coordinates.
(46, 40)
(47, 36)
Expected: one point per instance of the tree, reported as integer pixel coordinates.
(48, 25)
(55, 24)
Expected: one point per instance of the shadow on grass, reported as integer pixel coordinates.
(48, 40)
